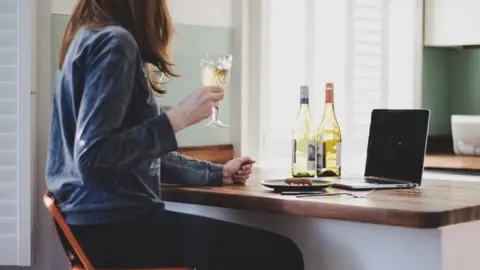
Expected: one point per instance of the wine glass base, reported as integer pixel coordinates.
(216, 124)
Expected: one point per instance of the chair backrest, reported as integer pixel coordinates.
(72, 244)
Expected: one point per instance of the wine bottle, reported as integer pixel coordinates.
(329, 139)
(303, 143)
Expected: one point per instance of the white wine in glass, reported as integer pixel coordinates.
(216, 70)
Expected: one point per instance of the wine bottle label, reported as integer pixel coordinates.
(311, 156)
(294, 150)
(320, 164)
(339, 154)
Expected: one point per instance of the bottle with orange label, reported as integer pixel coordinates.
(329, 139)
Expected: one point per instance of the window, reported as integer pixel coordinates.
(16, 47)
(285, 72)
(368, 48)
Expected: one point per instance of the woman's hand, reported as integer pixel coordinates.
(195, 108)
(237, 170)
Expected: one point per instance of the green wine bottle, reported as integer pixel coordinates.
(303, 142)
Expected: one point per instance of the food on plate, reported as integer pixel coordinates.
(299, 181)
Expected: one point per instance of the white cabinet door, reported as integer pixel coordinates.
(16, 145)
(452, 22)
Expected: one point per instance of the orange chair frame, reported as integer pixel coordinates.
(49, 201)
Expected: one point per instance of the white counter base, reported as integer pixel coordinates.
(339, 245)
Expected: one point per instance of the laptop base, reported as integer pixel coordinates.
(353, 185)
(363, 183)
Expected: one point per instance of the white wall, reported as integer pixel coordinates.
(198, 12)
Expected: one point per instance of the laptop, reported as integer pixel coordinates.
(396, 151)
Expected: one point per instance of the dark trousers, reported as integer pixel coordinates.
(164, 238)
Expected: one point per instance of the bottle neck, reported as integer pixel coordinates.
(329, 97)
(304, 101)
(304, 106)
(329, 109)
(304, 109)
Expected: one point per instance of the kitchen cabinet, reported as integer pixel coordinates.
(452, 23)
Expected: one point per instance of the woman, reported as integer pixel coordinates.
(109, 145)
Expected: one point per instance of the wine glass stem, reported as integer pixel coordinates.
(216, 111)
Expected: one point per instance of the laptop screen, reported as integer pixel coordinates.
(397, 144)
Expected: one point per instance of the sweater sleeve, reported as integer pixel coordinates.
(180, 169)
(101, 147)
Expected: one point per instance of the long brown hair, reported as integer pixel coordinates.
(148, 21)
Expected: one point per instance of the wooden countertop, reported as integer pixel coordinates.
(436, 204)
(213, 153)
(446, 161)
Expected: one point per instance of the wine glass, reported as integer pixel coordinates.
(216, 70)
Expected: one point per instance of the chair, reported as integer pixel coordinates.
(70, 243)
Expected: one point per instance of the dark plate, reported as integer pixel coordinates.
(279, 185)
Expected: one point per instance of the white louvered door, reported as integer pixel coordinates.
(367, 30)
(381, 38)
(16, 80)
(368, 48)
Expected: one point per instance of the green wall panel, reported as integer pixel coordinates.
(465, 82)
(451, 85)
(436, 88)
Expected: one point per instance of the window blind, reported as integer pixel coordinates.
(15, 130)
(369, 67)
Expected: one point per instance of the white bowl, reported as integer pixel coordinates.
(466, 134)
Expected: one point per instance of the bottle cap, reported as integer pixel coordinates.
(304, 92)
(329, 86)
